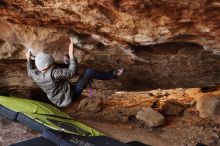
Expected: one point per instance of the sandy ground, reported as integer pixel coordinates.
(12, 132)
(185, 130)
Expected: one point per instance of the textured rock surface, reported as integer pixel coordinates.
(131, 111)
(91, 105)
(150, 117)
(172, 108)
(160, 43)
(209, 107)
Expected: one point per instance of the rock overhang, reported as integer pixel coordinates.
(161, 44)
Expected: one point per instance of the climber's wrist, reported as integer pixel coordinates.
(71, 56)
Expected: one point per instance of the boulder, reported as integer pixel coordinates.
(91, 105)
(150, 117)
(173, 108)
(209, 106)
(131, 111)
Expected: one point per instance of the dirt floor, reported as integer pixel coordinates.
(12, 132)
(186, 129)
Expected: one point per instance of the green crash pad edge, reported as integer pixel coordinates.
(47, 115)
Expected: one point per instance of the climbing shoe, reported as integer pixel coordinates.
(66, 59)
(117, 73)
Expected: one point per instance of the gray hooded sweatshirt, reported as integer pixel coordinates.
(55, 82)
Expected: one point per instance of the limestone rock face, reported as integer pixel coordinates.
(161, 44)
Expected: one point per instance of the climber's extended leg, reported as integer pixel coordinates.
(90, 74)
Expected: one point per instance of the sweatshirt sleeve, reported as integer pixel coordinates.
(30, 69)
(65, 73)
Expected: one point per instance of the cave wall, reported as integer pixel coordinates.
(161, 44)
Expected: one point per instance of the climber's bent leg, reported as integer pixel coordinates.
(87, 76)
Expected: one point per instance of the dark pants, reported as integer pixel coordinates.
(86, 78)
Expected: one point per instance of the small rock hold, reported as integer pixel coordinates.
(150, 117)
(192, 141)
(192, 103)
(172, 108)
(91, 105)
(158, 93)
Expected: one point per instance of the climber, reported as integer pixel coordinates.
(53, 80)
